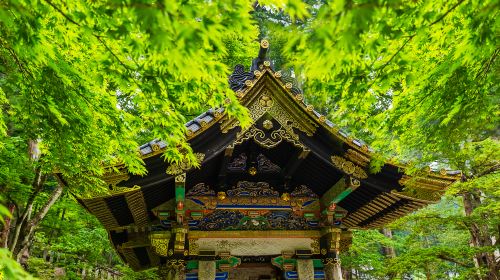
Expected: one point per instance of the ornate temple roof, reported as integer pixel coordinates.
(291, 156)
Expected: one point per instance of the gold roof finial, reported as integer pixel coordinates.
(264, 44)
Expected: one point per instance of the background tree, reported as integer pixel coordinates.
(82, 84)
(79, 81)
(419, 82)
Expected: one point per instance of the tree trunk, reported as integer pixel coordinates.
(347, 274)
(480, 238)
(389, 251)
(37, 185)
(4, 237)
(32, 224)
(38, 182)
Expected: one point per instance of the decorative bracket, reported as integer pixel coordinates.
(180, 196)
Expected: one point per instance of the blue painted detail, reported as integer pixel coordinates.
(303, 191)
(166, 223)
(221, 275)
(227, 206)
(229, 219)
(193, 223)
(287, 220)
(197, 201)
(318, 274)
(308, 202)
(218, 276)
(218, 220)
(313, 223)
(291, 275)
(244, 188)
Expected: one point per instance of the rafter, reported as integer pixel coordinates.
(293, 163)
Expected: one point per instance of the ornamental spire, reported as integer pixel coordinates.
(262, 61)
(258, 62)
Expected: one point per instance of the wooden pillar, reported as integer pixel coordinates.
(333, 270)
(333, 241)
(173, 269)
(305, 269)
(206, 270)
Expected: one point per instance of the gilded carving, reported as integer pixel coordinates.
(267, 124)
(345, 241)
(354, 183)
(259, 193)
(423, 195)
(315, 246)
(254, 189)
(221, 195)
(193, 247)
(239, 163)
(288, 122)
(267, 104)
(184, 165)
(181, 178)
(115, 174)
(357, 157)
(200, 190)
(159, 242)
(122, 190)
(265, 101)
(285, 197)
(331, 261)
(303, 191)
(349, 167)
(424, 182)
(115, 178)
(180, 238)
(266, 165)
(268, 142)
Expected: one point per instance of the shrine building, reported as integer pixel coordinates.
(277, 200)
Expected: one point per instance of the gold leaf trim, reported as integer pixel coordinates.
(159, 243)
(348, 167)
(184, 165)
(420, 195)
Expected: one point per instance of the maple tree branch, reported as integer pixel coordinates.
(447, 12)
(98, 37)
(450, 259)
(486, 66)
(411, 37)
(62, 13)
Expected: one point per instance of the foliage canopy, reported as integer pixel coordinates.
(83, 84)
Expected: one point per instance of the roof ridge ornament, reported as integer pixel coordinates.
(240, 80)
(262, 58)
